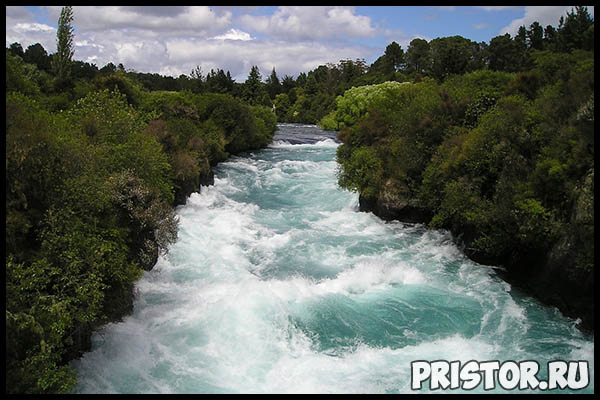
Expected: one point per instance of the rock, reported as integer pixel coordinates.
(208, 179)
(185, 188)
(395, 202)
(566, 278)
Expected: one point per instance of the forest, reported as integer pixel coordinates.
(493, 141)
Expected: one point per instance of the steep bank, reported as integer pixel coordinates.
(560, 277)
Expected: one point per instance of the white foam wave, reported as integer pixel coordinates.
(283, 144)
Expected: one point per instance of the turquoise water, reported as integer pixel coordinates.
(278, 284)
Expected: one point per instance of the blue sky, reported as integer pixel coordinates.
(173, 40)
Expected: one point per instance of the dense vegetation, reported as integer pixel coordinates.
(95, 163)
(500, 153)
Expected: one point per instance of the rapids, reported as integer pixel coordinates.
(278, 284)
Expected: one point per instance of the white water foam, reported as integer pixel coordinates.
(218, 313)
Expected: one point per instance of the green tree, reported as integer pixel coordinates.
(391, 61)
(254, 89)
(36, 54)
(450, 55)
(16, 49)
(282, 106)
(576, 31)
(503, 54)
(287, 84)
(61, 63)
(550, 38)
(197, 79)
(273, 85)
(417, 55)
(394, 56)
(535, 36)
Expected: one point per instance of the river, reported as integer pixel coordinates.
(278, 284)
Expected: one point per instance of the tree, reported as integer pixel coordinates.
(535, 35)
(550, 38)
(219, 82)
(301, 79)
(108, 69)
(16, 49)
(61, 63)
(520, 43)
(287, 83)
(352, 70)
(394, 56)
(254, 90)
(273, 84)
(417, 55)
(503, 54)
(451, 55)
(521, 38)
(574, 31)
(80, 69)
(391, 61)
(36, 54)
(196, 78)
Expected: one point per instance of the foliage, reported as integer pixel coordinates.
(61, 62)
(497, 155)
(361, 170)
(93, 172)
(356, 102)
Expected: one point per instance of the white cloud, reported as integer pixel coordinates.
(311, 23)
(33, 27)
(155, 21)
(21, 28)
(145, 40)
(238, 57)
(234, 34)
(480, 26)
(545, 15)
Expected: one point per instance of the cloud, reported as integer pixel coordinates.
(234, 34)
(18, 13)
(498, 8)
(155, 21)
(173, 42)
(311, 23)
(238, 57)
(480, 26)
(545, 15)
(21, 28)
(403, 39)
